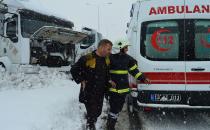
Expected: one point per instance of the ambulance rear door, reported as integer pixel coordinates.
(198, 46)
(162, 45)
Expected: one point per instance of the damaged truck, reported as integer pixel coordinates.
(30, 39)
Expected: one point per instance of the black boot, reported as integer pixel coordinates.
(111, 123)
(90, 127)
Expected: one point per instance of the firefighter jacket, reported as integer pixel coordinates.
(95, 71)
(121, 65)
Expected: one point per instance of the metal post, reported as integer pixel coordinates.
(98, 18)
(98, 8)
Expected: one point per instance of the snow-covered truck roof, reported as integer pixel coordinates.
(35, 7)
(57, 20)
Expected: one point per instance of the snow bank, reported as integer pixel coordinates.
(44, 101)
(19, 80)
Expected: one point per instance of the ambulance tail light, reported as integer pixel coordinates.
(147, 109)
(133, 86)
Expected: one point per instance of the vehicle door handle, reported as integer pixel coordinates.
(198, 69)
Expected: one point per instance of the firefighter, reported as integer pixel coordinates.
(92, 71)
(121, 64)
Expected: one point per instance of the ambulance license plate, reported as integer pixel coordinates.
(166, 97)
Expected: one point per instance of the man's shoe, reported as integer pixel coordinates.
(111, 124)
(90, 127)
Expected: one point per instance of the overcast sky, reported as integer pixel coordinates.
(113, 17)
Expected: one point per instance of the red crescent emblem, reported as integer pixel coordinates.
(154, 37)
(205, 43)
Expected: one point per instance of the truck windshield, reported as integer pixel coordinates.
(32, 21)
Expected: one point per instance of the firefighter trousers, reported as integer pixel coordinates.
(116, 102)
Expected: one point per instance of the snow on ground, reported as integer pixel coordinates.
(175, 120)
(164, 120)
(45, 101)
(49, 101)
(123, 120)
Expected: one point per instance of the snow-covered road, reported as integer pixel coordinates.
(165, 120)
(175, 120)
(44, 101)
(49, 101)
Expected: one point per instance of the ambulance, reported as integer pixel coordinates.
(32, 37)
(170, 39)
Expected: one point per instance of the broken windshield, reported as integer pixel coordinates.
(31, 22)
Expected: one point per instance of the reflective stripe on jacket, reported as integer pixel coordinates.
(120, 66)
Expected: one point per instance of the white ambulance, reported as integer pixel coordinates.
(171, 42)
(31, 36)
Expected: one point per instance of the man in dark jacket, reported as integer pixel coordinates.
(92, 71)
(121, 64)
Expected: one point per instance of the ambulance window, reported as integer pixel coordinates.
(161, 41)
(202, 39)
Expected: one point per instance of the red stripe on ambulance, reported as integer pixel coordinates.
(179, 77)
